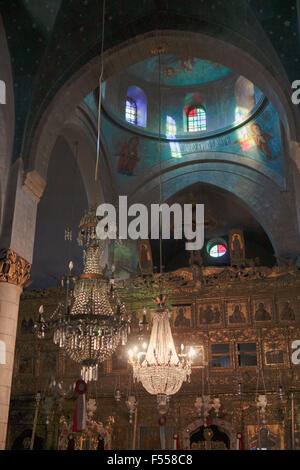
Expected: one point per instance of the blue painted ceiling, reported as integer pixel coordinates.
(49, 40)
(176, 71)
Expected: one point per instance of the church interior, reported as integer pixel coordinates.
(138, 343)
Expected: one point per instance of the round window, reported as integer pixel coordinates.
(216, 251)
(216, 248)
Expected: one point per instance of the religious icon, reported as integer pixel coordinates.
(150, 438)
(145, 256)
(264, 142)
(183, 316)
(129, 157)
(237, 312)
(287, 311)
(119, 437)
(237, 246)
(237, 316)
(263, 311)
(268, 437)
(210, 314)
(47, 363)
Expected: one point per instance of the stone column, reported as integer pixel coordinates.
(14, 272)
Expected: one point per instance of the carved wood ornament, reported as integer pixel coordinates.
(13, 268)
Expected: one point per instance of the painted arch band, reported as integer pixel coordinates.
(188, 220)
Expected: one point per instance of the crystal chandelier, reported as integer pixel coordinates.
(93, 321)
(160, 369)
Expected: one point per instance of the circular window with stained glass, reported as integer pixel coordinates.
(216, 248)
(217, 251)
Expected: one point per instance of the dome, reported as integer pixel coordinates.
(198, 98)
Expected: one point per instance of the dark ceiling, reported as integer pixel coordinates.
(49, 40)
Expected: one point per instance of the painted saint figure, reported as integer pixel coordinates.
(264, 142)
(128, 157)
(287, 313)
(261, 313)
(145, 256)
(181, 320)
(236, 247)
(209, 315)
(237, 316)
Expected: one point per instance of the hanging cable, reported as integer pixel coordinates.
(160, 171)
(100, 93)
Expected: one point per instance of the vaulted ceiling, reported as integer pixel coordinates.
(50, 40)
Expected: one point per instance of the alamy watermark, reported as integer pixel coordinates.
(296, 93)
(2, 92)
(188, 221)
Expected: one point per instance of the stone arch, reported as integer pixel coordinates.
(195, 44)
(258, 192)
(223, 425)
(7, 116)
(77, 129)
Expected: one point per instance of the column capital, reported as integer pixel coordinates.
(13, 268)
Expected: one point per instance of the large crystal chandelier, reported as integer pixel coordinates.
(93, 321)
(160, 369)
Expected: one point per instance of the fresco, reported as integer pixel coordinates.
(133, 156)
(178, 70)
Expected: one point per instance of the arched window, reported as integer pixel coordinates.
(245, 97)
(196, 119)
(131, 111)
(171, 134)
(136, 106)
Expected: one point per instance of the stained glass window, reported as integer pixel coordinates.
(171, 127)
(131, 111)
(196, 119)
(171, 134)
(217, 250)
